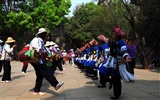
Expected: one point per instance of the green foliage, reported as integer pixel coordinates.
(50, 14)
(90, 20)
(29, 15)
(78, 27)
(21, 20)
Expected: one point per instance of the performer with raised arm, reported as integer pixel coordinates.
(40, 67)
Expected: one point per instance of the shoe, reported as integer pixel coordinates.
(59, 85)
(132, 81)
(23, 72)
(38, 93)
(6, 81)
(61, 69)
(101, 86)
(95, 78)
(2, 81)
(113, 97)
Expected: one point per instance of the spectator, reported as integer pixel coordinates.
(70, 57)
(64, 55)
(131, 48)
(25, 64)
(7, 55)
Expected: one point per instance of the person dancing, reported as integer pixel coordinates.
(40, 67)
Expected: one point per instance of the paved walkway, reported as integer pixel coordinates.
(78, 87)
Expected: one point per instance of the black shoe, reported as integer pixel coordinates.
(95, 78)
(101, 86)
(113, 97)
(132, 81)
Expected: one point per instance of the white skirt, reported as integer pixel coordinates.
(125, 75)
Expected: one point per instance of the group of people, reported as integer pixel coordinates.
(68, 55)
(42, 66)
(108, 62)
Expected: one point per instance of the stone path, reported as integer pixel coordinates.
(77, 86)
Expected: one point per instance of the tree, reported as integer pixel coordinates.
(110, 15)
(143, 21)
(144, 27)
(25, 17)
(77, 28)
(150, 11)
(47, 14)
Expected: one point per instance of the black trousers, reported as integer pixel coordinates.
(104, 78)
(70, 60)
(116, 82)
(57, 64)
(60, 65)
(7, 70)
(41, 70)
(25, 66)
(132, 66)
(0, 65)
(24, 69)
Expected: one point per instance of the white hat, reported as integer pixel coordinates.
(10, 40)
(1, 41)
(41, 30)
(58, 49)
(55, 45)
(47, 44)
(52, 43)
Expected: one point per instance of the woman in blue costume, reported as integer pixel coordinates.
(93, 58)
(87, 56)
(80, 60)
(119, 53)
(103, 70)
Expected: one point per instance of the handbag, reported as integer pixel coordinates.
(8, 56)
(23, 57)
(28, 56)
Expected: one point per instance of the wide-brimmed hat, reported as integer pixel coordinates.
(47, 44)
(10, 40)
(41, 30)
(52, 43)
(1, 41)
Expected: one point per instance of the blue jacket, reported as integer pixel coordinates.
(103, 69)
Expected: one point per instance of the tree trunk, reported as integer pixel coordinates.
(146, 64)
